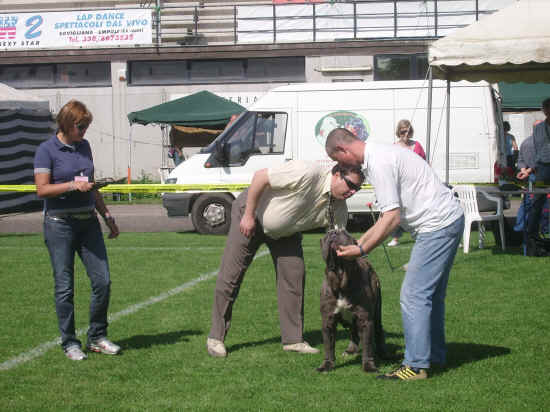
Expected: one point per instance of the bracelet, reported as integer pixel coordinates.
(361, 250)
(72, 186)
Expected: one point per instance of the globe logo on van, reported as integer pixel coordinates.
(354, 122)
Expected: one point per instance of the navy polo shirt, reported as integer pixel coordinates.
(64, 162)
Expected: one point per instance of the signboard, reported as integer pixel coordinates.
(245, 99)
(123, 27)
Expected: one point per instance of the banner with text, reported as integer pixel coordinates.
(95, 28)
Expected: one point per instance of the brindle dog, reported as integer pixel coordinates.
(350, 286)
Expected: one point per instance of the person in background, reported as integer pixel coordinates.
(526, 160)
(281, 203)
(231, 120)
(64, 177)
(541, 158)
(404, 132)
(409, 193)
(511, 146)
(175, 153)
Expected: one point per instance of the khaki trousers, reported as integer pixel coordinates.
(288, 259)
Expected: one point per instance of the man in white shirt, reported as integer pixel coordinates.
(280, 203)
(409, 194)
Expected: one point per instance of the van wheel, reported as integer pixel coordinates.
(211, 214)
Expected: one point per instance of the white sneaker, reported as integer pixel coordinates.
(104, 345)
(75, 353)
(394, 242)
(216, 348)
(302, 347)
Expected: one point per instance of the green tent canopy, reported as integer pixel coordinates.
(523, 96)
(202, 109)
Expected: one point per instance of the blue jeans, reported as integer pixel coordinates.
(542, 173)
(64, 237)
(423, 295)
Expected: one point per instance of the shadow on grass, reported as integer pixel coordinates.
(462, 353)
(393, 352)
(146, 341)
(458, 354)
(315, 339)
(239, 346)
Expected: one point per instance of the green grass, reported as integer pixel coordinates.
(497, 331)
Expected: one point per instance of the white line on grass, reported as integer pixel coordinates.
(44, 347)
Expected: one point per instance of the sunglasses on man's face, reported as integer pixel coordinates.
(82, 126)
(351, 185)
(403, 132)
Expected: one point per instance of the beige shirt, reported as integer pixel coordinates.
(298, 200)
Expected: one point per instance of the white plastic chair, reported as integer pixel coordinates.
(467, 195)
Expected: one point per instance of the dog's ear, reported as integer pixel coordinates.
(332, 257)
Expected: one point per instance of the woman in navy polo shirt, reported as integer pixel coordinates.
(64, 177)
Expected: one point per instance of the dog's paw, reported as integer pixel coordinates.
(369, 367)
(325, 367)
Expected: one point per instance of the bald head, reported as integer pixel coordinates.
(339, 137)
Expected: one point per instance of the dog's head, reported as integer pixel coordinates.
(331, 241)
(336, 272)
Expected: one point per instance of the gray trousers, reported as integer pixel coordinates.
(288, 259)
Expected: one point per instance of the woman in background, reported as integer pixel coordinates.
(64, 177)
(404, 132)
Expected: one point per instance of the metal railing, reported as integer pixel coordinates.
(188, 23)
(312, 22)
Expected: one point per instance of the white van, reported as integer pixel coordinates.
(292, 122)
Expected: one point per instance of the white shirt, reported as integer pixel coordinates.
(404, 180)
(298, 199)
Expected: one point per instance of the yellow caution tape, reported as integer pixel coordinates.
(151, 188)
(143, 188)
(163, 188)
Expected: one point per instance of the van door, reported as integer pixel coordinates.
(258, 142)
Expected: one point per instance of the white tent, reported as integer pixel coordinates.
(511, 45)
(25, 122)
(11, 98)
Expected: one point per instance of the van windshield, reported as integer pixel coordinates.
(252, 133)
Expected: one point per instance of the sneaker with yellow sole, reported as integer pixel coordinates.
(405, 373)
